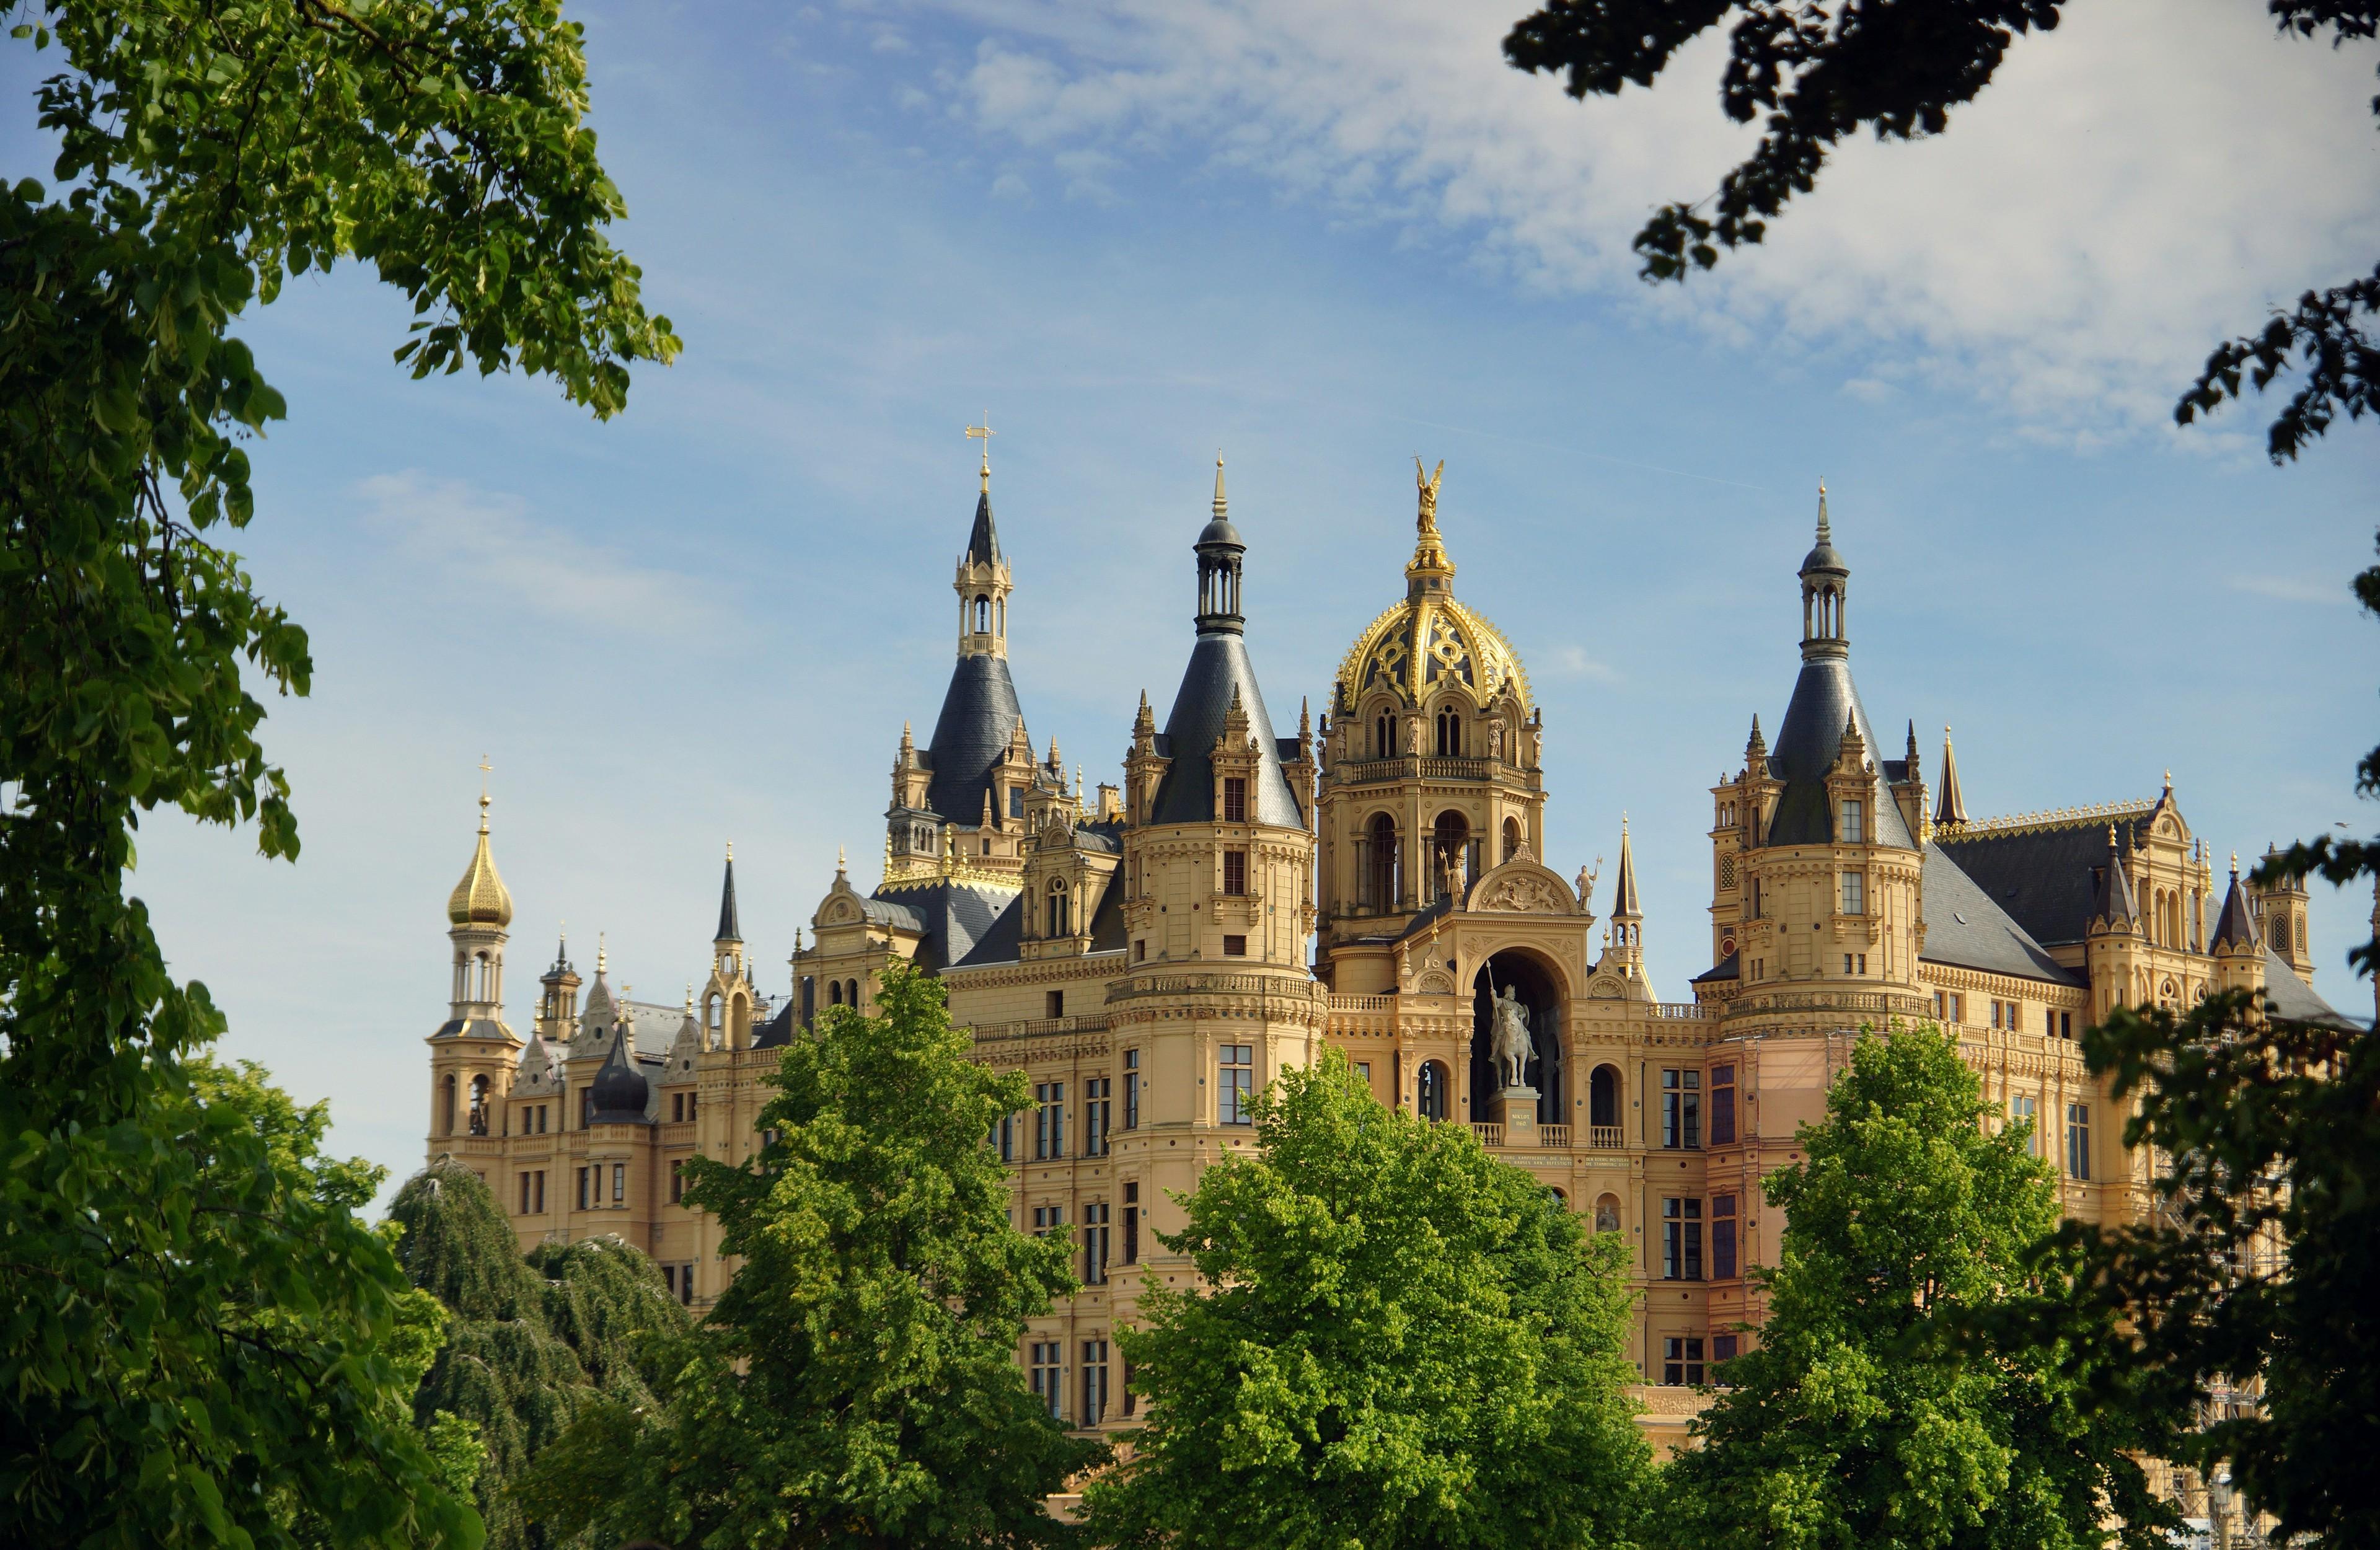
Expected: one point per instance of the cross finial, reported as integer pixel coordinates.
(983, 433)
(484, 768)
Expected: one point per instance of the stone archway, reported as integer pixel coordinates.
(1538, 988)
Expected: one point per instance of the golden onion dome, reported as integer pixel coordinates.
(1429, 641)
(480, 899)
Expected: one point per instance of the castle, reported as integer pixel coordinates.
(1152, 957)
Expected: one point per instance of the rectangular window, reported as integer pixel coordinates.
(1003, 1136)
(1235, 1081)
(1094, 1383)
(1722, 1105)
(2022, 1110)
(1681, 1240)
(1854, 824)
(1139, 950)
(2015, 1015)
(1681, 1109)
(678, 1180)
(1131, 1224)
(2078, 1139)
(539, 1177)
(1054, 1004)
(1722, 1264)
(1043, 1364)
(677, 1108)
(685, 1283)
(1236, 947)
(1235, 799)
(582, 1189)
(693, 1102)
(1854, 894)
(1095, 1245)
(1047, 1219)
(2065, 1024)
(586, 1106)
(1723, 1348)
(669, 1280)
(1682, 1361)
(619, 1183)
(1132, 1089)
(1095, 1117)
(524, 1194)
(1236, 872)
(1364, 1072)
(1124, 1386)
(1863, 962)
(1049, 1121)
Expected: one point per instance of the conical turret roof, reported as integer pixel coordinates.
(2235, 928)
(729, 930)
(2116, 904)
(1950, 806)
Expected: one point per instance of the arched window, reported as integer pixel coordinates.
(1380, 874)
(1603, 1099)
(1449, 842)
(1384, 744)
(446, 1105)
(1512, 838)
(1450, 734)
(851, 992)
(982, 615)
(1430, 1091)
(835, 992)
(2280, 933)
(1057, 908)
(479, 1105)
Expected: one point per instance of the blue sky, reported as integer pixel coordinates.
(1323, 239)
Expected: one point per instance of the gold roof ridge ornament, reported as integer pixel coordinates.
(2058, 818)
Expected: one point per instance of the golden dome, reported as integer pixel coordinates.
(1452, 644)
(480, 899)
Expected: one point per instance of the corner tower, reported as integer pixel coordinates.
(1820, 874)
(960, 798)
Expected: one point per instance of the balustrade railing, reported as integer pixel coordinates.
(1554, 1136)
(1488, 1134)
(1604, 1137)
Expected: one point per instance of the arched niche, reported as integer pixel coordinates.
(1537, 986)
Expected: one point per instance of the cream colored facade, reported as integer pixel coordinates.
(1150, 956)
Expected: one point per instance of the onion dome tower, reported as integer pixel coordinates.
(1431, 772)
(620, 1090)
(472, 1052)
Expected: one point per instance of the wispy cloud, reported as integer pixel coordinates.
(487, 541)
(1573, 662)
(2146, 181)
(2328, 591)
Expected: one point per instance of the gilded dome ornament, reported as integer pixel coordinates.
(480, 899)
(1429, 639)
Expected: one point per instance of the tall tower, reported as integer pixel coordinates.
(1828, 878)
(1429, 763)
(1216, 1000)
(727, 996)
(960, 798)
(2281, 911)
(558, 1002)
(472, 1052)
(2237, 950)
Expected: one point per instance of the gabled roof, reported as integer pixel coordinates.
(1219, 669)
(951, 918)
(2046, 875)
(2294, 998)
(1825, 702)
(2236, 927)
(1963, 928)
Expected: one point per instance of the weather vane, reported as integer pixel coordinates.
(983, 433)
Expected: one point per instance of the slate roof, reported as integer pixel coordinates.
(2294, 998)
(2045, 878)
(1726, 968)
(778, 1032)
(1107, 921)
(979, 715)
(983, 540)
(1964, 928)
(1823, 700)
(472, 1027)
(2235, 925)
(1000, 940)
(729, 930)
(1219, 665)
(951, 918)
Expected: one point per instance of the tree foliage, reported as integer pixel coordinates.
(2256, 1271)
(1866, 1415)
(1816, 73)
(188, 1332)
(1396, 1341)
(857, 1381)
(526, 1342)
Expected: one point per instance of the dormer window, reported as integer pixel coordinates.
(1854, 824)
(1235, 799)
(1057, 908)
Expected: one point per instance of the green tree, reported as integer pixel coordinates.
(857, 1381)
(1397, 1341)
(1863, 1416)
(1816, 73)
(525, 1342)
(186, 1338)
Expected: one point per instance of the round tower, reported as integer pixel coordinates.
(472, 1052)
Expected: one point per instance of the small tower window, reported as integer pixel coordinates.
(1057, 911)
(1854, 823)
(1854, 894)
(1383, 738)
(1235, 799)
(1450, 734)
(1236, 872)
(982, 615)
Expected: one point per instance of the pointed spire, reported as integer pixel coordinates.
(1623, 899)
(1950, 807)
(1912, 755)
(1755, 747)
(729, 929)
(1221, 504)
(2117, 908)
(1825, 535)
(2235, 928)
(601, 958)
